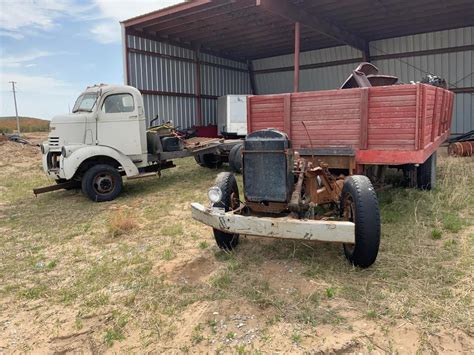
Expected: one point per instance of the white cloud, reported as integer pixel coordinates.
(114, 11)
(18, 18)
(34, 84)
(15, 61)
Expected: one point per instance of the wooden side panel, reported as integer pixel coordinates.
(428, 113)
(436, 114)
(385, 125)
(392, 117)
(266, 111)
(326, 118)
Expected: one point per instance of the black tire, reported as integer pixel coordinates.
(359, 204)
(426, 174)
(235, 159)
(76, 184)
(197, 158)
(209, 160)
(228, 185)
(101, 183)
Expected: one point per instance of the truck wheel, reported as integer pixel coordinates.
(235, 158)
(426, 174)
(209, 160)
(197, 158)
(230, 201)
(359, 204)
(101, 183)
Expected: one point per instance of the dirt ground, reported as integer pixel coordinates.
(139, 275)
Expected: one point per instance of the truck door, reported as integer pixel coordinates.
(118, 124)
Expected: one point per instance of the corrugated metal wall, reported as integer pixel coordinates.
(324, 78)
(330, 67)
(161, 70)
(457, 67)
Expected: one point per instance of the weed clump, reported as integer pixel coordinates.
(120, 223)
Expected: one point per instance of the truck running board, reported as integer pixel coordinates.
(64, 185)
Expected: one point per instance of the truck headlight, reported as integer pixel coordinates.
(214, 194)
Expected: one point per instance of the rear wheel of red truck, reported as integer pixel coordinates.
(426, 174)
(359, 205)
(229, 201)
(101, 183)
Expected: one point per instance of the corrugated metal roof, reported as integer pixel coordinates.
(261, 28)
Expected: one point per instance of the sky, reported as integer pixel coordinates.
(53, 49)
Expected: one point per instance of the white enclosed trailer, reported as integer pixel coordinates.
(232, 116)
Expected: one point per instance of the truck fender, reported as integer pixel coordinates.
(72, 162)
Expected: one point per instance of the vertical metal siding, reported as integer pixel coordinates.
(148, 72)
(325, 78)
(310, 57)
(457, 67)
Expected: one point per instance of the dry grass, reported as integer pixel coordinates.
(121, 222)
(164, 285)
(27, 124)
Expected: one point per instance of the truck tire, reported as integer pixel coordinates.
(209, 160)
(235, 159)
(426, 174)
(230, 197)
(359, 204)
(101, 183)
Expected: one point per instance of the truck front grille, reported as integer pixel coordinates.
(53, 141)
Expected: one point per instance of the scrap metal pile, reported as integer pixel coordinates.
(462, 146)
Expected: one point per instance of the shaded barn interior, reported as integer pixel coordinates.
(184, 57)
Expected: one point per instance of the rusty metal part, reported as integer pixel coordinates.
(65, 185)
(326, 189)
(358, 77)
(367, 75)
(267, 207)
(295, 202)
(382, 80)
(461, 149)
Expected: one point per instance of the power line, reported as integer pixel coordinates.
(16, 107)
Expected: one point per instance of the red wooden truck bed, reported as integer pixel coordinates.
(384, 125)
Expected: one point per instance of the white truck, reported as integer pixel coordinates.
(105, 138)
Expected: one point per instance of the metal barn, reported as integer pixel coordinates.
(182, 58)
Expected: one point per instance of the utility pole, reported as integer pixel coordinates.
(16, 108)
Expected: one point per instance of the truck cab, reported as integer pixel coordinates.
(105, 137)
(106, 127)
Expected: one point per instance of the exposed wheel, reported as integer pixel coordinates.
(230, 201)
(426, 174)
(235, 158)
(410, 176)
(359, 204)
(102, 182)
(209, 160)
(76, 184)
(197, 158)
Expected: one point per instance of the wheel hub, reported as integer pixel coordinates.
(103, 183)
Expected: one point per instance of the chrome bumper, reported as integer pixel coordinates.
(285, 228)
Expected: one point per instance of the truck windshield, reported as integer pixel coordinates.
(85, 102)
